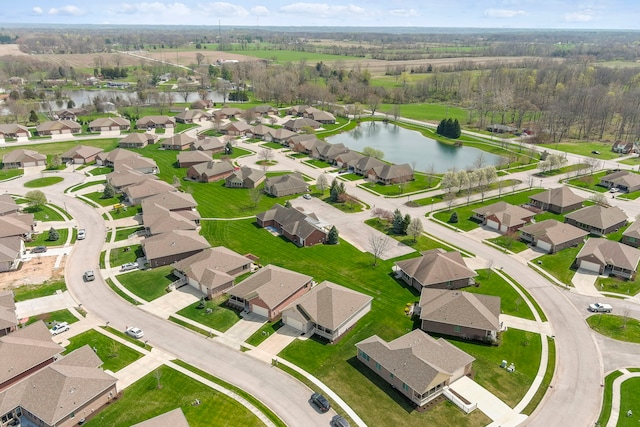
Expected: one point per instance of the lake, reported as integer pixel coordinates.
(401, 145)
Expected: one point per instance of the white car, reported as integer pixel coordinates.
(614, 190)
(134, 332)
(600, 308)
(306, 196)
(82, 234)
(129, 266)
(59, 328)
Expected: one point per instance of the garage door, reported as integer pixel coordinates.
(492, 224)
(260, 310)
(294, 323)
(590, 266)
(545, 246)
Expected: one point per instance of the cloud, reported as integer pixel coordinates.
(152, 8)
(321, 10)
(66, 11)
(37, 10)
(404, 12)
(503, 13)
(585, 15)
(260, 11)
(222, 9)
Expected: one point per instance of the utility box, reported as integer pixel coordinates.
(511, 368)
(503, 364)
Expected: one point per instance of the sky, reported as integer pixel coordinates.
(553, 14)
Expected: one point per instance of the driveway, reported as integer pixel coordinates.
(482, 233)
(245, 327)
(173, 301)
(584, 282)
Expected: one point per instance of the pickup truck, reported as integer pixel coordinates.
(600, 308)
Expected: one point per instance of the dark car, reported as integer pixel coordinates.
(39, 249)
(595, 152)
(338, 421)
(321, 402)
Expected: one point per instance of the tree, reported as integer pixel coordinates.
(266, 155)
(378, 243)
(109, 191)
(449, 181)
(405, 223)
(453, 219)
(599, 199)
(397, 224)
(37, 199)
(255, 195)
(333, 238)
(449, 199)
(431, 170)
(176, 181)
(53, 235)
(372, 152)
(228, 148)
(56, 161)
(415, 229)
(322, 183)
(33, 117)
(337, 191)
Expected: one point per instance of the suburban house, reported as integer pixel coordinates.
(180, 142)
(301, 228)
(391, 174)
(173, 418)
(210, 143)
(8, 205)
(265, 110)
(172, 246)
(557, 200)
(622, 147)
(22, 158)
(71, 113)
(342, 160)
(213, 270)
(312, 113)
(14, 131)
(436, 268)
(105, 124)
(21, 225)
(245, 177)
(156, 122)
(418, 366)
(210, 171)
(292, 141)
(460, 314)
(138, 140)
(186, 159)
(58, 127)
(327, 310)
(622, 180)
(227, 113)
(552, 236)
(311, 146)
(280, 135)
(269, 291)
(261, 131)
(503, 217)
(158, 219)
(81, 154)
(11, 250)
(329, 152)
(631, 235)
(60, 393)
(8, 319)
(201, 104)
(109, 158)
(607, 257)
(364, 164)
(140, 164)
(296, 125)
(193, 116)
(597, 219)
(236, 128)
(150, 187)
(285, 185)
(123, 178)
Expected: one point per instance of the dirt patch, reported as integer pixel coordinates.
(10, 49)
(33, 272)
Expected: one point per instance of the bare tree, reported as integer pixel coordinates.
(449, 198)
(480, 161)
(199, 58)
(599, 199)
(322, 183)
(158, 375)
(378, 243)
(593, 165)
(415, 228)
(431, 169)
(183, 88)
(625, 318)
(266, 155)
(255, 195)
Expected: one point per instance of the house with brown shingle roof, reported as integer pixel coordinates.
(210, 171)
(552, 236)
(14, 130)
(503, 217)
(172, 246)
(343, 160)
(436, 268)
(213, 270)
(156, 122)
(310, 146)
(328, 310)
(269, 291)
(108, 158)
(123, 178)
(71, 113)
(296, 125)
(301, 228)
(261, 131)
(227, 113)
(285, 185)
(193, 116)
(631, 235)
(607, 257)
(391, 174)
(137, 192)
(280, 135)
(80, 154)
(622, 180)
(186, 159)
(557, 200)
(20, 224)
(460, 314)
(8, 319)
(364, 164)
(157, 220)
(140, 164)
(173, 418)
(181, 142)
(416, 365)
(597, 219)
(105, 124)
(330, 152)
(8, 205)
(622, 147)
(138, 140)
(11, 250)
(210, 143)
(58, 127)
(236, 128)
(263, 110)
(245, 177)
(22, 158)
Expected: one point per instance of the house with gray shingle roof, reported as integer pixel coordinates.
(622, 180)
(364, 164)
(80, 154)
(607, 257)
(301, 228)
(460, 314)
(557, 200)
(156, 122)
(391, 174)
(328, 310)
(296, 125)
(285, 185)
(245, 177)
(11, 250)
(269, 291)
(137, 163)
(173, 418)
(103, 124)
(552, 236)
(22, 158)
(210, 171)
(8, 319)
(210, 143)
(280, 135)
(436, 268)
(172, 246)
(137, 192)
(123, 178)
(8, 205)
(20, 224)
(503, 217)
(415, 364)
(138, 140)
(597, 219)
(631, 235)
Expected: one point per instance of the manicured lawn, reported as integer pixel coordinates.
(100, 171)
(121, 294)
(26, 292)
(349, 206)
(140, 343)
(54, 317)
(274, 145)
(237, 152)
(589, 182)
(420, 183)
(144, 399)
(113, 354)
(99, 199)
(350, 177)
(264, 332)
(513, 244)
(148, 284)
(546, 380)
(511, 303)
(585, 148)
(221, 317)
(629, 401)
(44, 213)
(119, 256)
(125, 212)
(60, 147)
(123, 233)
(87, 184)
(320, 164)
(298, 155)
(422, 243)
(43, 182)
(616, 326)
(429, 112)
(10, 173)
(633, 161)
(42, 239)
(605, 413)
(618, 286)
(559, 265)
(181, 127)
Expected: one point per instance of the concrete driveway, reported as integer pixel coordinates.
(584, 282)
(245, 327)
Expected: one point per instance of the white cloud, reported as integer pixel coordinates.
(260, 11)
(321, 10)
(222, 9)
(152, 8)
(503, 13)
(404, 12)
(68, 10)
(578, 17)
(37, 10)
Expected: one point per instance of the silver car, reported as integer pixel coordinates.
(134, 332)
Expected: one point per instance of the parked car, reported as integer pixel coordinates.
(39, 250)
(134, 332)
(129, 266)
(59, 328)
(600, 308)
(88, 276)
(338, 421)
(320, 401)
(614, 190)
(82, 233)
(306, 196)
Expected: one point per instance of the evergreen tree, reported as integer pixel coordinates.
(108, 192)
(397, 224)
(333, 239)
(454, 218)
(53, 234)
(440, 127)
(456, 131)
(33, 117)
(405, 223)
(228, 149)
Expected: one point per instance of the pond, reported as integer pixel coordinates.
(401, 145)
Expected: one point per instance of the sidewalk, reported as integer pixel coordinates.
(615, 398)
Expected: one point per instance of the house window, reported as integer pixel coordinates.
(457, 329)
(378, 367)
(364, 355)
(391, 376)
(405, 387)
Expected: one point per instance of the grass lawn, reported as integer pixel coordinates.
(589, 182)
(350, 177)
(100, 171)
(121, 294)
(43, 182)
(26, 292)
(511, 303)
(87, 184)
(237, 152)
(465, 222)
(298, 155)
(546, 380)
(420, 183)
(349, 206)
(585, 148)
(616, 326)
(113, 354)
(422, 243)
(618, 286)
(629, 400)
(274, 145)
(119, 256)
(60, 147)
(10, 173)
(513, 244)
(54, 317)
(605, 413)
(148, 284)
(44, 213)
(559, 264)
(99, 199)
(144, 399)
(633, 161)
(125, 212)
(221, 317)
(123, 233)
(42, 239)
(320, 164)
(264, 332)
